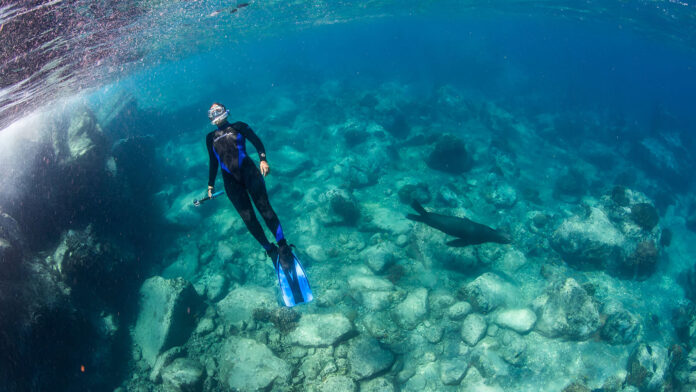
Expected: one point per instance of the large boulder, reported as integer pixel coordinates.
(620, 234)
(647, 367)
(486, 292)
(11, 248)
(412, 310)
(518, 320)
(566, 310)
(449, 155)
(367, 358)
(83, 145)
(318, 330)
(289, 162)
(247, 365)
(473, 329)
(183, 375)
(94, 266)
(239, 305)
(373, 292)
(589, 242)
(338, 207)
(621, 326)
(168, 312)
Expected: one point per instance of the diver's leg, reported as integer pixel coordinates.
(240, 199)
(257, 189)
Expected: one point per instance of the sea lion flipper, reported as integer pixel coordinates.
(417, 218)
(418, 207)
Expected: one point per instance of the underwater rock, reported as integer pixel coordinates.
(684, 321)
(247, 365)
(488, 361)
(283, 318)
(473, 381)
(93, 266)
(452, 371)
(373, 292)
(185, 266)
(449, 155)
(691, 217)
(289, 162)
(519, 320)
(644, 215)
(338, 383)
(590, 242)
(566, 310)
(473, 328)
(320, 330)
(647, 367)
(388, 220)
(486, 292)
(503, 196)
(664, 158)
(576, 387)
(458, 310)
(83, 145)
(413, 309)
(379, 256)
(338, 207)
(215, 287)
(399, 128)
(620, 327)
(687, 280)
(164, 360)
(181, 211)
(642, 262)
(367, 358)
(460, 259)
(11, 247)
(168, 311)
(379, 384)
(426, 378)
(410, 192)
(360, 282)
(513, 348)
(618, 196)
(238, 306)
(183, 375)
(359, 172)
(570, 186)
(380, 326)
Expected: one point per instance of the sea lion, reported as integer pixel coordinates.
(467, 231)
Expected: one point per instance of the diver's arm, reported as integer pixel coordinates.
(251, 136)
(213, 164)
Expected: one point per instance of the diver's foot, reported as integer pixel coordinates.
(287, 259)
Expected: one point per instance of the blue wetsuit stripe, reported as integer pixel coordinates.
(279, 233)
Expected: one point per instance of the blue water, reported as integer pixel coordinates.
(568, 127)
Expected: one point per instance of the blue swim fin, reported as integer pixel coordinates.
(293, 283)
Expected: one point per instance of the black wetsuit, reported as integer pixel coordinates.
(227, 149)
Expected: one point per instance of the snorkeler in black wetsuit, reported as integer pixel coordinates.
(227, 149)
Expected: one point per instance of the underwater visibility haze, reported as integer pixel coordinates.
(481, 195)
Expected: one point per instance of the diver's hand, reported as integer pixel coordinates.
(210, 191)
(265, 169)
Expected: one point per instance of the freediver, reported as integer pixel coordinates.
(242, 179)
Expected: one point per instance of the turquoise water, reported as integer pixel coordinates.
(568, 127)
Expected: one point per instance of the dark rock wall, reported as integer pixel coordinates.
(72, 237)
